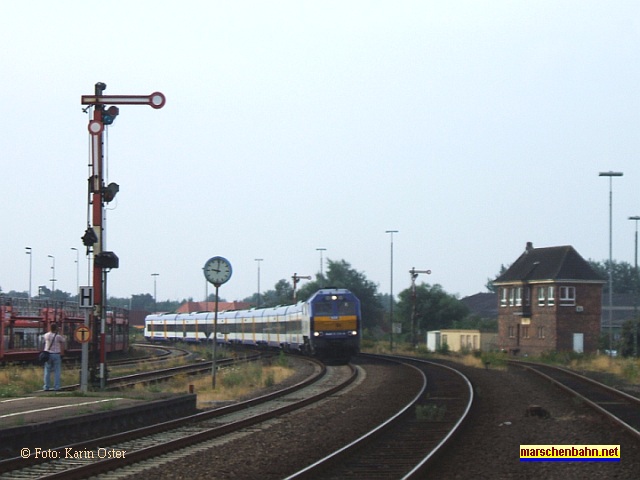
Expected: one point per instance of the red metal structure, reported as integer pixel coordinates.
(23, 322)
(95, 237)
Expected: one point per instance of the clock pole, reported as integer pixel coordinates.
(215, 340)
(217, 270)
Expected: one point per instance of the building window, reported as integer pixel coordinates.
(551, 296)
(527, 296)
(512, 300)
(568, 296)
(512, 331)
(540, 332)
(541, 296)
(525, 331)
(503, 296)
(518, 295)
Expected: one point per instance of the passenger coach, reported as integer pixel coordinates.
(327, 325)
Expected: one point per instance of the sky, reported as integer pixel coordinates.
(469, 127)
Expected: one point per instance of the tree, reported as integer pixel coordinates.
(489, 285)
(339, 274)
(435, 308)
(623, 275)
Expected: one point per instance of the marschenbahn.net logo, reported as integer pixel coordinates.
(569, 453)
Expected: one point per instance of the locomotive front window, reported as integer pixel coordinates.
(323, 308)
(346, 308)
(334, 305)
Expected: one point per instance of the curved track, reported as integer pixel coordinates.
(403, 445)
(619, 407)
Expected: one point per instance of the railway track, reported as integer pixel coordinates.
(403, 445)
(618, 407)
(154, 443)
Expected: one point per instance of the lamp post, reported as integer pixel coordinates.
(635, 292)
(258, 260)
(610, 174)
(391, 293)
(155, 301)
(77, 271)
(321, 262)
(28, 252)
(53, 274)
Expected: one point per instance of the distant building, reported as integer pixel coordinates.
(482, 304)
(549, 299)
(188, 307)
(461, 340)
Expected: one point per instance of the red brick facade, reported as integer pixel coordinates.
(549, 300)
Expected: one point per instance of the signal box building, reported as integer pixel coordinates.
(549, 299)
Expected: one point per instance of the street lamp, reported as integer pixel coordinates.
(77, 271)
(53, 274)
(28, 252)
(635, 292)
(391, 294)
(610, 174)
(258, 260)
(155, 301)
(321, 262)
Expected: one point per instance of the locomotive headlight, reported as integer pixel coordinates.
(353, 332)
(316, 334)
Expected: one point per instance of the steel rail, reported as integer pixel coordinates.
(600, 406)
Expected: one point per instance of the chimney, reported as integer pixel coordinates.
(529, 247)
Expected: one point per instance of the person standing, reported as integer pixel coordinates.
(54, 343)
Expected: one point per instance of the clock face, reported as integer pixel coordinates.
(217, 270)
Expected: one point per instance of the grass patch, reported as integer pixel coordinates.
(430, 412)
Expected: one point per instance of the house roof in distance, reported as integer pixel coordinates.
(549, 263)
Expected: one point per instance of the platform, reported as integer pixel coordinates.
(46, 419)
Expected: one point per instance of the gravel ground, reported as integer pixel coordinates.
(299, 439)
(487, 448)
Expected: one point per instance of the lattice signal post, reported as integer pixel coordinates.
(414, 274)
(99, 194)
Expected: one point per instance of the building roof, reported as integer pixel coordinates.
(483, 304)
(188, 307)
(549, 263)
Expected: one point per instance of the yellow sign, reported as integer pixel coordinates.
(82, 334)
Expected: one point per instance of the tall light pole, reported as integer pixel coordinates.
(53, 274)
(28, 252)
(258, 260)
(635, 291)
(155, 301)
(321, 265)
(77, 271)
(391, 293)
(610, 174)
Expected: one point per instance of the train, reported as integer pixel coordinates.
(23, 321)
(328, 325)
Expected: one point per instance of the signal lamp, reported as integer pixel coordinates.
(110, 114)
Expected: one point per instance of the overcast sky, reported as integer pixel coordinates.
(470, 127)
